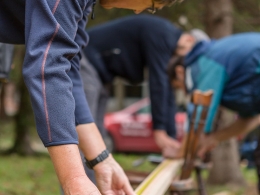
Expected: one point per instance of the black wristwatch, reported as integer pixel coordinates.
(90, 164)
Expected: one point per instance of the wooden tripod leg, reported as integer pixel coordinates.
(201, 186)
(199, 131)
(199, 99)
(189, 165)
(189, 144)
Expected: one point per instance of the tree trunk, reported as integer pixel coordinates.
(218, 18)
(2, 94)
(226, 157)
(219, 23)
(23, 121)
(24, 117)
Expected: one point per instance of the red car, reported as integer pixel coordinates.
(130, 130)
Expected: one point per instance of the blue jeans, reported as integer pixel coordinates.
(6, 55)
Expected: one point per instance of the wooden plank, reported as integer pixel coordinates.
(158, 182)
(224, 193)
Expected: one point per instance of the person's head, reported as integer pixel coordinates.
(188, 40)
(176, 72)
(185, 44)
(137, 5)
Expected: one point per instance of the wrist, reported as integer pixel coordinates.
(159, 134)
(104, 165)
(160, 137)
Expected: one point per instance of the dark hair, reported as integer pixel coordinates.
(174, 61)
(167, 2)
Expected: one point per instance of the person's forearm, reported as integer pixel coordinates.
(240, 126)
(68, 166)
(90, 140)
(159, 134)
(110, 177)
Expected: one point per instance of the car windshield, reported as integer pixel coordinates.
(144, 110)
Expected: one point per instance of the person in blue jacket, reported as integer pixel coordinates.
(53, 33)
(231, 68)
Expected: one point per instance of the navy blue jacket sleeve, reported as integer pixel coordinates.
(162, 99)
(50, 45)
(82, 111)
(158, 53)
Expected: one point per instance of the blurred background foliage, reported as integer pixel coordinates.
(191, 14)
(35, 175)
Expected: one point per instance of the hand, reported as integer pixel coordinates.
(111, 179)
(207, 143)
(169, 146)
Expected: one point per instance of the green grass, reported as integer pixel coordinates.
(36, 175)
(27, 176)
(126, 161)
(24, 175)
(6, 135)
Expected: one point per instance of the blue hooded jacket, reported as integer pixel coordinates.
(231, 68)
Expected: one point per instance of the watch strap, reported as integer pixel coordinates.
(101, 157)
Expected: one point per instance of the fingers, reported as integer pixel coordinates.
(171, 149)
(169, 152)
(127, 189)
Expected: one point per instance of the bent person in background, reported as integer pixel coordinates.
(229, 67)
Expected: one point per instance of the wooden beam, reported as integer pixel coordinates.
(158, 182)
(224, 193)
